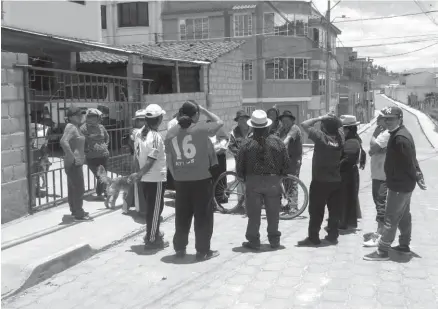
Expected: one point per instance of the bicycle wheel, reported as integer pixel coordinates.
(228, 192)
(295, 198)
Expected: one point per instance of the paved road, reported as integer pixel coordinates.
(328, 277)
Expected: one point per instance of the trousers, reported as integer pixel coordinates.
(75, 189)
(397, 215)
(193, 199)
(263, 190)
(322, 194)
(380, 191)
(154, 199)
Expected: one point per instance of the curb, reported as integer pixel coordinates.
(401, 105)
(58, 262)
(19, 241)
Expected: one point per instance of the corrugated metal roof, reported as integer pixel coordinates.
(244, 7)
(196, 51)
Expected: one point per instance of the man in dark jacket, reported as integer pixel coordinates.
(402, 174)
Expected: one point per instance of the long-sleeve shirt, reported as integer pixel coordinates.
(237, 139)
(96, 140)
(72, 142)
(258, 158)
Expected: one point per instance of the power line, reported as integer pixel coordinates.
(383, 17)
(425, 12)
(410, 52)
(395, 37)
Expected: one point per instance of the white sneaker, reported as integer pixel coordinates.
(373, 242)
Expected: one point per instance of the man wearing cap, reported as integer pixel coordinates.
(261, 163)
(73, 144)
(152, 174)
(402, 174)
(290, 133)
(96, 146)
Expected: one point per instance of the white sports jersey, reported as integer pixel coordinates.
(151, 145)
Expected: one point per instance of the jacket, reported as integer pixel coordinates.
(237, 139)
(401, 166)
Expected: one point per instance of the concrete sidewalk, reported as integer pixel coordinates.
(427, 125)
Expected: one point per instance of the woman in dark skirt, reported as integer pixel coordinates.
(352, 155)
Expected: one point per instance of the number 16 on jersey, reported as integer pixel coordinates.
(188, 150)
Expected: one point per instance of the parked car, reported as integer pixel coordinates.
(382, 91)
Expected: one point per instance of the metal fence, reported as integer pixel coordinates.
(49, 93)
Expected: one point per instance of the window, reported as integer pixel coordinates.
(247, 70)
(194, 28)
(133, 14)
(242, 25)
(86, 92)
(78, 2)
(275, 24)
(287, 68)
(103, 16)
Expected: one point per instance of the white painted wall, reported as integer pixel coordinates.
(132, 35)
(62, 18)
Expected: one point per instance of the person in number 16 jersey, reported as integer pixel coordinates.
(189, 161)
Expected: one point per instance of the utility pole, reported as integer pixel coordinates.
(259, 38)
(327, 60)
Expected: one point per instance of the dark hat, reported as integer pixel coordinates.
(241, 114)
(392, 112)
(74, 111)
(287, 114)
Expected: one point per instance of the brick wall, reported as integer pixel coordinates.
(13, 164)
(225, 89)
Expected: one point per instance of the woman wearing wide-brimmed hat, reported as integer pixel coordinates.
(352, 155)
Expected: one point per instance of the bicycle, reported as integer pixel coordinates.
(227, 201)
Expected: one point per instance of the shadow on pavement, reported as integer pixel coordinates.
(263, 248)
(402, 257)
(172, 259)
(140, 219)
(139, 250)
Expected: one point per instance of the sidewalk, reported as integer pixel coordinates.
(429, 128)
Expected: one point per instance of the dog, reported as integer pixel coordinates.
(114, 187)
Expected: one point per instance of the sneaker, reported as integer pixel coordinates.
(180, 253)
(309, 242)
(275, 245)
(368, 236)
(251, 245)
(331, 241)
(206, 256)
(83, 218)
(158, 244)
(372, 242)
(401, 249)
(377, 256)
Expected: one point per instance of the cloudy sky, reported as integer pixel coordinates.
(388, 31)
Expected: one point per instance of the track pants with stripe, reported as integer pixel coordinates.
(154, 199)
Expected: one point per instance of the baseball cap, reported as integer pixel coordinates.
(392, 111)
(153, 111)
(94, 111)
(141, 113)
(74, 111)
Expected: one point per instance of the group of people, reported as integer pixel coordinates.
(266, 146)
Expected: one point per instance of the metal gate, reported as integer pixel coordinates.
(49, 94)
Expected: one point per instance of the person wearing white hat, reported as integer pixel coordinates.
(261, 162)
(151, 156)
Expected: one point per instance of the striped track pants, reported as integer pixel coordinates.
(154, 199)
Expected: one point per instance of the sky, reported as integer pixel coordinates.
(384, 31)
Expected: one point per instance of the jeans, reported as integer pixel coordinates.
(263, 190)
(193, 199)
(380, 191)
(93, 164)
(321, 194)
(397, 215)
(76, 189)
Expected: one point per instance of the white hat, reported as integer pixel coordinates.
(349, 120)
(153, 111)
(141, 113)
(259, 119)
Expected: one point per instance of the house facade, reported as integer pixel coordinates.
(130, 22)
(74, 19)
(284, 62)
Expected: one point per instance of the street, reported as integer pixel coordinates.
(326, 277)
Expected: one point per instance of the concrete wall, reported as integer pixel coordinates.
(115, 35)
(62, 18)
(13, 164)
(225, 90)
(401, 93)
